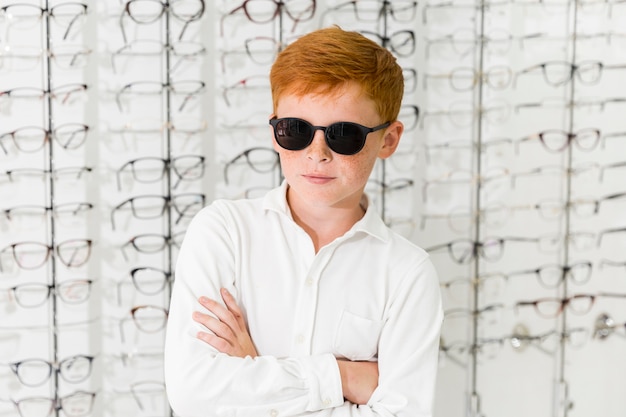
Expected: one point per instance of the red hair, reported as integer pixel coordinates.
(324, 60)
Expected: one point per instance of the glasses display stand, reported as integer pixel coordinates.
(120, 120)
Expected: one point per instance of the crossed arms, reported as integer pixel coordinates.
(228, 333)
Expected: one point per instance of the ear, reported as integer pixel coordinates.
(391, 140)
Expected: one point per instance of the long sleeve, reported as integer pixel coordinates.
(409, 348)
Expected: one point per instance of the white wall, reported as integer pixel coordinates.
(461, 160)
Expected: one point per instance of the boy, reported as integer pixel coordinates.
(303, 302)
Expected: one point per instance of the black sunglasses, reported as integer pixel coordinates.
(345, 138)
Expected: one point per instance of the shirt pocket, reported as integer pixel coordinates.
(357, 337)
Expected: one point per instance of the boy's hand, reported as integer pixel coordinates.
(229, 330)
(358, 380)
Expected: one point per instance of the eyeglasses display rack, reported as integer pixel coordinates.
(39, 134)
(159, 98)
(119, 121)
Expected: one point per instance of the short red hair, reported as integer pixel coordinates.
(322, 61)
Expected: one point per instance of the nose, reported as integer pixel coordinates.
(318, 150)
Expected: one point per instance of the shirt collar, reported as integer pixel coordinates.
(371, 223)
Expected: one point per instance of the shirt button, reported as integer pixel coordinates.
(326, 402)
(309, 282)
(273, 413)
(300, 338)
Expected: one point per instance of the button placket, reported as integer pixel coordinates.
(307, 306)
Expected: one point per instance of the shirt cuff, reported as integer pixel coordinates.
(324, 381)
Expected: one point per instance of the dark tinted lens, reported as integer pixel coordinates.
(293, 134)
(345, 138)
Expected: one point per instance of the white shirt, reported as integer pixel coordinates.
(369, 295)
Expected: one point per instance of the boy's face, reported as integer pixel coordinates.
(320, 177)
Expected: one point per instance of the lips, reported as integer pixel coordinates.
(317, 178)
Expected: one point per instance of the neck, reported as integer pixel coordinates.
(324, 226)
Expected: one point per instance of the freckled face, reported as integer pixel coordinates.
(316, 175)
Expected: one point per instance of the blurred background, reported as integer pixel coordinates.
(120, 119)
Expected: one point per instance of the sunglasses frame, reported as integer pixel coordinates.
(331, 143)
